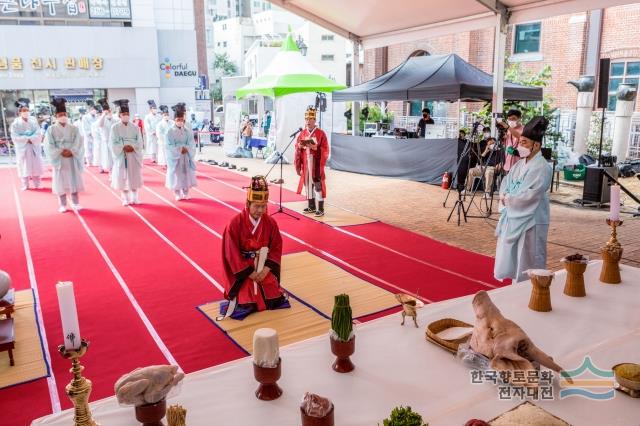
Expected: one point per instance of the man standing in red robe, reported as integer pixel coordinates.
(251, 253)
(312, 151)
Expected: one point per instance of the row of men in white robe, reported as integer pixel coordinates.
(122, 156)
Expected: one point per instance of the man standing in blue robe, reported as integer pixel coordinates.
(524, 203)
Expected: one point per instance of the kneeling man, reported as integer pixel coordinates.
(251, 253)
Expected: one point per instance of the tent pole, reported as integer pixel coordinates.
(355, 80)
(500, 41)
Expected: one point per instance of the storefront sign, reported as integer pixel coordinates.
(110, 9)
(26, 64)
(65, 9)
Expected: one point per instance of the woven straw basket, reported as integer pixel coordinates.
(443, 324)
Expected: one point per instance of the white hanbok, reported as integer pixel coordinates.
(67, 171)
(161, 132)
(96, 133)
(28, 155)
(150, 123)
(524, 221)
(181, 168)
(126, 174)
(106, 157)
(86, 123)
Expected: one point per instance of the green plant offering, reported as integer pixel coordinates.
(342, 317)
(401, 416)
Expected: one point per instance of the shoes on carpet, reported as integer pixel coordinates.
(319, 213)
(308, 210)
(62, 209)
(24, 188)
(133, 198)
(77, 207)
(186, 196)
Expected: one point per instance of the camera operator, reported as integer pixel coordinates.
(426, 119)
(491, 159)
(513, 128)
(463, 161)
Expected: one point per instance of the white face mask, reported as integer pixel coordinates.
(487, 135)
(165, 118)
(24, 114)
(124, 119)
(512, 123)
(524, 152)
(63, 120)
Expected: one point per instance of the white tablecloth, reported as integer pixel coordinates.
(396, 366)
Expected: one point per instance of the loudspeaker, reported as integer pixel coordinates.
(603, 82)
(596, 184)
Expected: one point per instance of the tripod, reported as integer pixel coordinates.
(458, 206)
(281, 181)
(483, 168)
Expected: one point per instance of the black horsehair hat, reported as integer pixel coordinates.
(152, 103)
(104, 104)
(123, 105)
(164, 109)
(179, 109)
(22, 103)
(536, 128)
(60, 104)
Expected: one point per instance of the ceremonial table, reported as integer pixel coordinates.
(396, 366)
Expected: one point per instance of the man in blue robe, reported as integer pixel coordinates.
(180, 151)
(524, 204)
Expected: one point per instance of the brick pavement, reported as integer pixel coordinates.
(418, 207)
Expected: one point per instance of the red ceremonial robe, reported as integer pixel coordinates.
(239, 251)
(319, 156)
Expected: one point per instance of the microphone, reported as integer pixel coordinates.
(296, 132)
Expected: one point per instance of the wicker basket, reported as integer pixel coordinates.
(443, 324)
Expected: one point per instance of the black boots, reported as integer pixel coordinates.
(311, 208)
(320, 211)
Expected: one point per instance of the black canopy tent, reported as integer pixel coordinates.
(435, 78)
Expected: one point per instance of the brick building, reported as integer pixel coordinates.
(560, 42)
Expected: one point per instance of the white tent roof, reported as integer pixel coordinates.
(378, 23)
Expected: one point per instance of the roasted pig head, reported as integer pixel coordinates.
(503, 341)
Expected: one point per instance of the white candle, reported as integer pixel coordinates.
(266, 351)
(69, 315)
(614, 213)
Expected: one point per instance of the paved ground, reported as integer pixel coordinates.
(418, 207)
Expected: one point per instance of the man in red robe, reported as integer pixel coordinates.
(251, 253)
(312, 151)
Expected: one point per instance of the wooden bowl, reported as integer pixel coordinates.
(442, 324)
(626, 382)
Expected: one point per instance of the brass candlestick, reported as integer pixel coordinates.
(611, 255)
(79, 388)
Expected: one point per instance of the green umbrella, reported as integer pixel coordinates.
(289, 72)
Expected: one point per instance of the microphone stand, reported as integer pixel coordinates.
(281, 181)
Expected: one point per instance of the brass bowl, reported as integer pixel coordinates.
(624, 381)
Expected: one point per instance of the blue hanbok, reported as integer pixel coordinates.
(524, 221)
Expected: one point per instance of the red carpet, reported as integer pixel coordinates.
(166, 261)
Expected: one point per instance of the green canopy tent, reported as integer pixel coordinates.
(292, 81)
(289, 72)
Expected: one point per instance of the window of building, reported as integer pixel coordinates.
(622, 72)
(209, 36)
(224, 26)
(224, 44)
(327, 37)
(527, 38)
(327, 58)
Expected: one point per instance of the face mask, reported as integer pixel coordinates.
(62, 120)
(165, 118)
(24, 114)
(124, 118)
(93, 113)
(512, 123)
(524, 152)
(179, 124)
